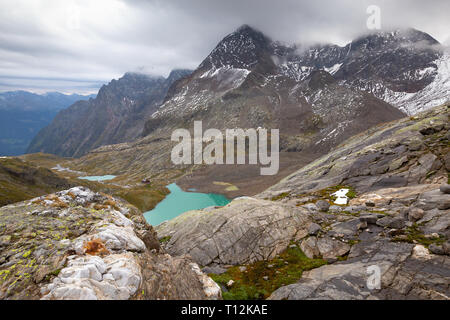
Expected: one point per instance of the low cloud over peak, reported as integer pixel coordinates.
(76, 45)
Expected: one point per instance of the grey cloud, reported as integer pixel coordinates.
(96, 41)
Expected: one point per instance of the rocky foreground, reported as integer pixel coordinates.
(77, 244)
(394, 217)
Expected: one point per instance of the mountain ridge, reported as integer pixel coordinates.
(116, 115)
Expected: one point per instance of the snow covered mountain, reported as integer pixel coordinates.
(405, 68)
(318, 96)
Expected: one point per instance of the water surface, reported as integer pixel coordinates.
(179, 201)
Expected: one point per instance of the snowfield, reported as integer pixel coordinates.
(436, 93)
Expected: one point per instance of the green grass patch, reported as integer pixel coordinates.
(414, 235)
(283, 270)
(280, 196)
(165, 239)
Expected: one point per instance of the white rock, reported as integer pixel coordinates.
(117, 277)
(211, 289)
(120, 238)
(420, 252)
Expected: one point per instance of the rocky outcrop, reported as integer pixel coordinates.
(405, 270)
(398, 220)
(244, 231)
(77, 244)
(412, 257)
(393, 155)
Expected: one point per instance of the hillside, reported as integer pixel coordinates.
(29, 177)
(116, 115)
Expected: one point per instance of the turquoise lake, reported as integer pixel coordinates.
(98, 178)
(179, 201)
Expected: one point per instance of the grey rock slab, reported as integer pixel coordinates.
(323, 205)
(314, 229)
(244, 231)
(445, 188)
(391, 222)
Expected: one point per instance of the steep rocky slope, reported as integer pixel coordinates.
(396, 217)
(77, 244)
(410, 151)
(116, 115)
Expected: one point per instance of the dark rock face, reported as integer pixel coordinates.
(387, 55)
(116, 115)
(241, 49)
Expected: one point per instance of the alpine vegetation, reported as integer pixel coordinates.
(236, 141)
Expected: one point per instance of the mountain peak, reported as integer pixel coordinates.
(245, 28)
(397, 37)
(241, 49)
(178, 73)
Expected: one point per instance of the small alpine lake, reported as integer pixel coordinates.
(179, 201)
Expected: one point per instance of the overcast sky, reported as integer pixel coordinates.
(77, 45)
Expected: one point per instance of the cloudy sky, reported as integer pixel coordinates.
(77, 45)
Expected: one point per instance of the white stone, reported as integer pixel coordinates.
(419, 251)
(211, 289)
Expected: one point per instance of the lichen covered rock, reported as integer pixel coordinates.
(77, 244)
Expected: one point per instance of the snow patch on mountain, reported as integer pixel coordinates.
(196, 96)
(227, 75)
(295, 71)
(333, 69)
(436, 93)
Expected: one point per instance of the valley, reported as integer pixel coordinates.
(97, 209)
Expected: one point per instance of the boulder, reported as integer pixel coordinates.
(323, 205)
(309, 247)
(244, 231)
(445, 188)
(314, 229)
(369, 218)
(415, 214)
(330, 249)
(392, 222)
